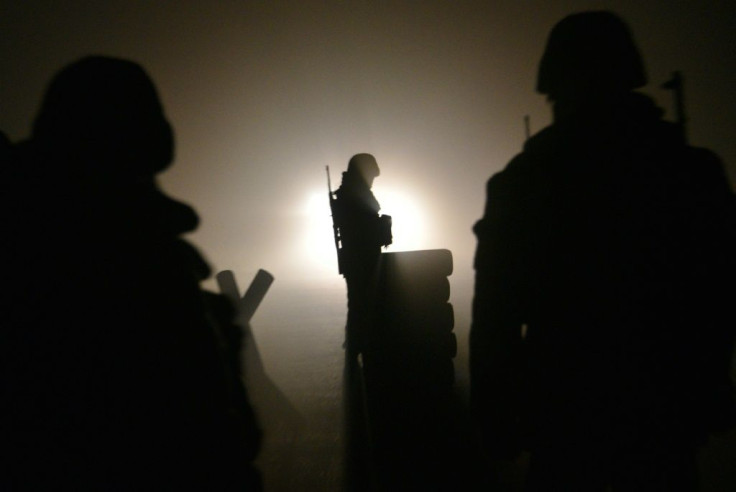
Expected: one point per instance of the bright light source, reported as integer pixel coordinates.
(407, 218)
(319, 245)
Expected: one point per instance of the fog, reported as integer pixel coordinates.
(264, 95)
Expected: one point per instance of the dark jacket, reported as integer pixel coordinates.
(611, 239)
(114, 374)
(356, 214)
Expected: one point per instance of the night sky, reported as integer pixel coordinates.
(264, 95)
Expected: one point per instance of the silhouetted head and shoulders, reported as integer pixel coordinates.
(98, 142)
(356, 213)
(591, 71)
(105, 113)
(357, 181)
(606, 181)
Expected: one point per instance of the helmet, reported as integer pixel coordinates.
(108, 109)
(590, 53)
(365, 165)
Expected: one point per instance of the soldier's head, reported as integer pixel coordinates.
(105, 111)
(364, 166)
(590, 54)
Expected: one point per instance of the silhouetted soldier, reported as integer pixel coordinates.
(114, 375)
(601, 335)
(362, 233)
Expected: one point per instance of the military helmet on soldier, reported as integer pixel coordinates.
(590, 53)
(365, 165)
(108, 110)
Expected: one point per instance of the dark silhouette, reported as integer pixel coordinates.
(362, 232)
(118, 371)
(402, 414)
(601, 333)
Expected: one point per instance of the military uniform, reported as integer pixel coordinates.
(610, 241)
(114, 372)
(362, 233)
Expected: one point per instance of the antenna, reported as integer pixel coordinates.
(527, 130)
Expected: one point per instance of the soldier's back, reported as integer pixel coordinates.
(618, 236)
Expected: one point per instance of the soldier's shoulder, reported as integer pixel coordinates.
(523, 169)
(701, 156)
(705, 167)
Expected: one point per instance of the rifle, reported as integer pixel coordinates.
(335, 226)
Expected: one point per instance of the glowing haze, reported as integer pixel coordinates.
(264, 95)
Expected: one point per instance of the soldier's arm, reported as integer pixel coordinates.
(495, 338)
